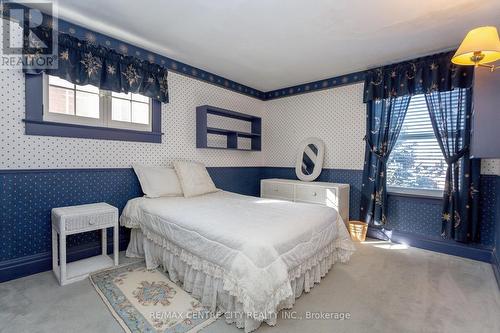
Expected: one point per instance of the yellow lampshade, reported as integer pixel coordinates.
(480, 46)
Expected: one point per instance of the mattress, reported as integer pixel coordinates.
(253, 245)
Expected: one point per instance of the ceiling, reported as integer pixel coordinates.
(271, 44)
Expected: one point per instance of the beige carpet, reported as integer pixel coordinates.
(392, 288)
(385, 289)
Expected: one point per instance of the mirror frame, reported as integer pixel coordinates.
(318, 163)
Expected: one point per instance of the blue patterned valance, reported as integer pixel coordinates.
(83, 62)
(422, 75)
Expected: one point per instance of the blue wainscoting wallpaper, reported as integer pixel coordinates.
(416, 216)
(243, 180)
(496, 253)
(27, 197)
(423, 216)
(489, 207)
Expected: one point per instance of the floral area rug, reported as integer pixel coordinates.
(147, 301)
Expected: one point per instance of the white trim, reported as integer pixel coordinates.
(125, 124)
(105, 112)
(418, 192)
(67, 118)
(424, 147)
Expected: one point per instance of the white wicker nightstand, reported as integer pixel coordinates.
(76, 219)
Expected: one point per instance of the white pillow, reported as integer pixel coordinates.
(194, 178)
(158, 182)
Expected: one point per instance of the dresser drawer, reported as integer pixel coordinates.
(277, 190)
(89, 221)
(310, 194)
(319, 195)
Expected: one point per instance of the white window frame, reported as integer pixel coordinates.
(105, 113)
(125, 124)
(413, 191)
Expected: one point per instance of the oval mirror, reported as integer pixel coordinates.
(310, 159)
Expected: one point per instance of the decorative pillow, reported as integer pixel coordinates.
(194, 178)
(158, 182)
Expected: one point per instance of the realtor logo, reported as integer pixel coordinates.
(28, 35)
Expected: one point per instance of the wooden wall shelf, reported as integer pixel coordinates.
(202, 129)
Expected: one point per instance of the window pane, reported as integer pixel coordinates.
(61, 100)
(140, 113)
(416, 160)
(120, 110)
(88, 88)
(121, 95)
(87, 105)
(140, 98)
(54, 80)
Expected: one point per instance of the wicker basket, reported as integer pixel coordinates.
(358, 230)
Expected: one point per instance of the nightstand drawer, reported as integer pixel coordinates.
(277, 190)
(89, 221)
(84, 217)
(72, 220)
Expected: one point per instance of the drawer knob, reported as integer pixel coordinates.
(91, 222)
(315, 194)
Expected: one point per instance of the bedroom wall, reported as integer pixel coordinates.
(496, 253)
(19, 151)
(337, 116)
(38, 173)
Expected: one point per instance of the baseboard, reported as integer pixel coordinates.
(41, 262)
(495, 263)
(442, 246)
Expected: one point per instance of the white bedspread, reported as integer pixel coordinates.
(257, 242)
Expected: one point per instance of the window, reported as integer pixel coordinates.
(66, 102)
(416, 164)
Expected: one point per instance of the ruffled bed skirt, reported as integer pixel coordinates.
(135, 247)
(208, 282)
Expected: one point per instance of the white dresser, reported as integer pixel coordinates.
(322, 193)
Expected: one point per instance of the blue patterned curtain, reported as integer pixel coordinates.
(384, 121)
(418, 76)
(450, 113)
(387, 92)
(83, 62)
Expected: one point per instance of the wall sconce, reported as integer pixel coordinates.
(480, 47)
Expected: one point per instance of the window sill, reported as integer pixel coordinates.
(415, 193)
(49, 128)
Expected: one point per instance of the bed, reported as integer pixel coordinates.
(246, 257)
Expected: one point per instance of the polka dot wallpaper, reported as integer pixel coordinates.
(490, 167)
(337, 116)
(20, 151)
(28, 197)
